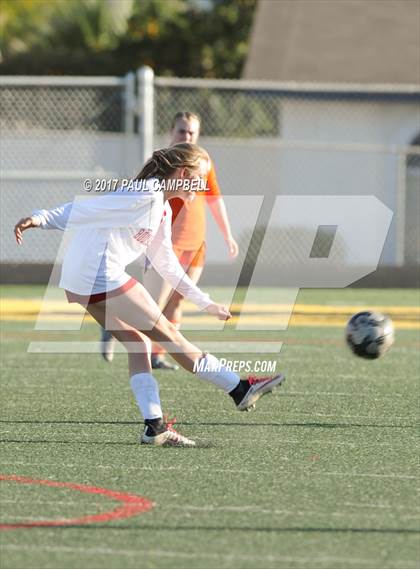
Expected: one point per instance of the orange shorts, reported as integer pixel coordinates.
(195, 258)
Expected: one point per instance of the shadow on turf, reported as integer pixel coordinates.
(198, 445)
(53, 422)
(305, 425)
(211, 424)
(240, 529)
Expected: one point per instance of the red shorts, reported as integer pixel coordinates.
(194, 258)
(85, 299)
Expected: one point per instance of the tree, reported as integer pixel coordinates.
(23, 23)
(96, 37)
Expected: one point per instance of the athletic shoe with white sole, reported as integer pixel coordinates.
(258, 386)
(167, 438)
(107, 345)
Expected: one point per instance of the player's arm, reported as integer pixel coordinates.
(24, 224)
(218, 210)
(102, 212)
(61, 217)
(56, 218)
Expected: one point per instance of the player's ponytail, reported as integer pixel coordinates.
(165, 161)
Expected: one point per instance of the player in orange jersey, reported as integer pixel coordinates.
(188, 239)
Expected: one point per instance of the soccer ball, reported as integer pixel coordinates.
(369, 334)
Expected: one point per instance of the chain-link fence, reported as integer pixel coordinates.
(268, 139)
(265, 140)
(65, 108)
(56, 132)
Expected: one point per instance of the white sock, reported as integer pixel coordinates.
(210, 369)
(146, 392)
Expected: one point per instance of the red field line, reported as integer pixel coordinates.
(132, 504)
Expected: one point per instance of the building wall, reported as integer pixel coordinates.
(347, 41)
(324, 147)
(361, 157)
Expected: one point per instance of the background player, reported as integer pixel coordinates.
(188, 238)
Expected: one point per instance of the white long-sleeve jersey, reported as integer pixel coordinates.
(110, 232)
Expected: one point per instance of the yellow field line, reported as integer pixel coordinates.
(272, 322)
(271, 315)
(14, 307)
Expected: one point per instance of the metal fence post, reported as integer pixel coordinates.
(145, 78)
(400, 229)
(129, 103)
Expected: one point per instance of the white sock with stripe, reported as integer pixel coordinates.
(146, 391)
(210, 369)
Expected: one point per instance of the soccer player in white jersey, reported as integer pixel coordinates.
(188, 241)
(109, 233)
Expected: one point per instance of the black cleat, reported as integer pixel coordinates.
(258, 386)
(162, 363)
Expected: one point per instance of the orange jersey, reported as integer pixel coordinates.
(189, 219)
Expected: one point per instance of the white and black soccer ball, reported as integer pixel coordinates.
(369, 334)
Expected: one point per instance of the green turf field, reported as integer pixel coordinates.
(323, 474)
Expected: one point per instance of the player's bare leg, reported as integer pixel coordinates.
(138, 345)
(157, 430)
(172, 302)
(135, 309)
(173, 308)
(160, 290)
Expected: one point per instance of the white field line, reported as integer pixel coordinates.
(360, 395)
(326, 415)
(32, 384)
(256, 509)
(320, 442)
(370, 417)
(367, 505)
(74, 429)
(363, 475)
(105, 390)
(229, 346)
(346, 516)
(53, 502)
(209, 508)
(289, 415)
(230, 470)
(39, 370)
(18, 519)
(103, 466)
(259, 510)
(220, 556)
(29, 383)
(215, 509)
(312, 442)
